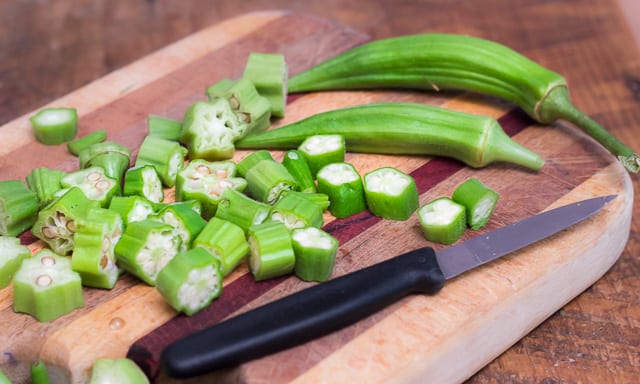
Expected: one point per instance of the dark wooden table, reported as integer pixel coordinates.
(49, 48)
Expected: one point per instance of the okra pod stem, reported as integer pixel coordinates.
(11, 255)
(190, 281)
(343, 184)
(241, 210)
(271, 250)
(298, 167)
(390, 193)
(164, 128)
(53, 126)
(405, 128)
(479, 202)
(224, 240)
(18, 207)
(78, 145)
(315, 252)
(448, 61)
(46, 287)
(165, 155)
(442, 220)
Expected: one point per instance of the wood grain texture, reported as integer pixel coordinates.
(593, 338)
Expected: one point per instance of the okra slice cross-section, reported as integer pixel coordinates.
(442, 220)
(53, 126)
(190, 281)
(315, 251)
(110, 156)
(46, 287)
(296, 211)
(321, 150)
(390, 193)
(94, 183)
(132, 208)
(146, 247)
(143, 181)
(343, 184)
(165, 155)
(271, 251)
(18, 207)
(11, 255)
(478, 199)
(186, 223)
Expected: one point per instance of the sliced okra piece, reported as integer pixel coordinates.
(143, 181)
(224, 240)
(252, 159)
(11, 255)
(296, 211)
(319, 199)
(315, 252)
(269, 74)
(46, 287)
(45, 182)
(76, 146)
(209, 129)
(18, 207)
(390, 193)
(94, 251)
(298, 167)
(253, 110)
(112, 157)
(194, 205)
(39, 373)
(95, 184)
(53, 126)
(219, 89)
(442, 220)
(478, 199)
(321, 150)
(190, 281)
(165, 155)
(240, 209)
(4, 379)
(271, 251)
(132, 208)
(119, 370)
(164, 128)
(267, 180)
(343, 184)
(185, 221)
(146, 247)
(205, 182)
(56, 223)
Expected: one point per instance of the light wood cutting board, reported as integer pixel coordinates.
(436, 339)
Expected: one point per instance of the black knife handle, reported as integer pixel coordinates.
(305, 315)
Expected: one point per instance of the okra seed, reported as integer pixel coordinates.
(221, 173)
(44, 280)
(116, 323)
(233, 101)
(93, 176)
(104, 261)
(49, 232)
(225, 184)
(202, 170)
(245, 117)
(71, 225)
(48, 261)
(102, 185)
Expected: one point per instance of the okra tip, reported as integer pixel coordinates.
(500, 147)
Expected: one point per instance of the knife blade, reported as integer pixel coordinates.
(329, 306)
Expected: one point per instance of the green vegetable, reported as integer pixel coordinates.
(190, 281)
(442, 220)
(219, 89)
(4, 379)
(165, 155)
(120, 371)
(315, 251)
(479, 201)
(448, 61)
(39, 373)
(269, 73)
(164, 128)
(405, 128)
(321, 150)
(46, 287)
(146, 247)
(132, 208)
(251, 160)
(53, 126)
(267, 180)
(298, 167)
(253, 110)
(296, 211)
(320, 199)
(93, 255)
(112, 157)
(390, 193)
(271, 251)
(343, 184)
(46, 183)
(143, 181)
(11, 255)
(78, 145)
(18, 207)
(56, 223)
(241, 210)
(225, 241)
(186, 222)
(93, 183)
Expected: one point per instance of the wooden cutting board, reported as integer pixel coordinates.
(436, 339)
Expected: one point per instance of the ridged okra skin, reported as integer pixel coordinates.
(299, 168)
(18, 207)
(53, 126)
(267, 180)
(241, 210)
(442, 220)
(132, 208)
(296, 211)
(315, 252)
(390, 193)
(271, 251)
(165, 155)
(437, 61)
(343, 184)
(479, 201)
(224, 240)
(46, 183)
(143, 181)
(110, 156)
(405, 128)
(321, 150)
(11, 255)
(186, 222)
(269, 73)
(78, 145)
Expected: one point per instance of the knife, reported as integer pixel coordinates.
(329, 306)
